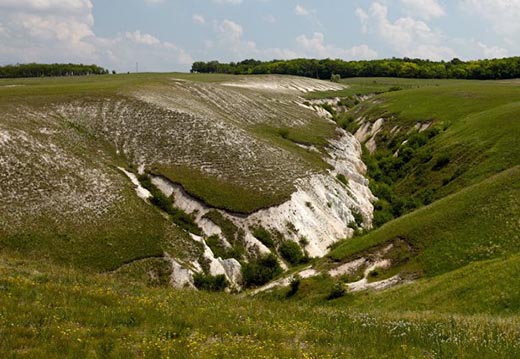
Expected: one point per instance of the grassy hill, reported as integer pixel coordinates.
(477, 223)
(75, 274)
(62, 139)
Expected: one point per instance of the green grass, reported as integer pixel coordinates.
(53, 312)
(482, 287)
(477, 126)
(477, 223)
(369, 86)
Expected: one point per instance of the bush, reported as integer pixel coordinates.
(441, 162)
(263, 236)
(291, 252)
(337, 291)
(335, 78)
(294, 286)
(210, 283)
(358, 218)
(178, 216)
(220, 250)
(327, 107)
(260, 271)
(284, 133)
(342, 179)
(233, 234)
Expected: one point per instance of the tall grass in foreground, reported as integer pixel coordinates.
(55, 312)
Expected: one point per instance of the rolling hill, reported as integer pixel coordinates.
(374, 217)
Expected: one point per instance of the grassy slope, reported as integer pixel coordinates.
(129, 229)
(483, 127)
(228, 193)
(480, 222)
(481, 287)
(53, 312)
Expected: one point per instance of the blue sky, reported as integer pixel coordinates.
(167, 35)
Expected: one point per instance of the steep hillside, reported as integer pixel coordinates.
(446, 152)
(429, 142)
(218, 156)
(477, 223)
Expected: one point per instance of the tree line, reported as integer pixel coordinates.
(40, 70)
(505, 68)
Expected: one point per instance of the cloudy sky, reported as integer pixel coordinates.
(167, 35)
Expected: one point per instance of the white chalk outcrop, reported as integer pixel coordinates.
(319, 211)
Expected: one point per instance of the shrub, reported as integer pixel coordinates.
(263, 236)
(294, 286)
(342, 179)
(441, 162)
(291, 252)
(358, 217)
(327, 107)
(304, 242)
(284, 133)
(220, 250)
(337, 291)
(260, 271)
(210, 283)
(335, 78)
(178, 216)
(233, 234)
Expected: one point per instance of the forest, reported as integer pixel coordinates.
(46, 70)
(494, 69)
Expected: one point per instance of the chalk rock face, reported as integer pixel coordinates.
(180, 277)
(319, 211)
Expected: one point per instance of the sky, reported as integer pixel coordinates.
(168, 35)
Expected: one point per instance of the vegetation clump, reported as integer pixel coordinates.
(220, 250)
(42, 70)
(338, 290)
(342, 179)
(158, 199)
(334, 70)
(210, 283)
(294, 286)
(233, 234)
(260, 271)
(291, 252)
(263, 235)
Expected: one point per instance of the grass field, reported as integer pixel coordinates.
(52, 312)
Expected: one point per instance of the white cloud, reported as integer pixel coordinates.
(301, 11)
(62, 31)
(198, 19)
(424, 9)
(230, 30)
(405, 36)
(315, 47)
(504, 15)
(364, 18)
(232, 2)
(153, 1)
(143, 39)
(309, 14)
(231, 40)
(494, 52)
